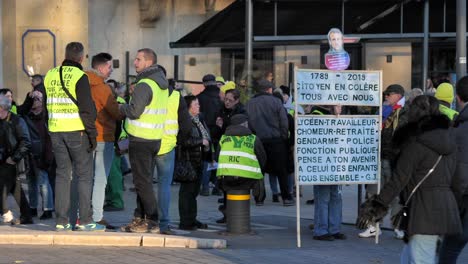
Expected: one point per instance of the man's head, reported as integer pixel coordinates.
(394, 93)
(7, 93)
(462, 90)
(444, 93)
(5, 106)
(335, 40)
(144, 58)
(36, 79)
(102, 63)
(265, 86)
(74, 52)
(209, 80)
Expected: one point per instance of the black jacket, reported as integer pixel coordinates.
(211, 106)
(226, 115)
(267, 117)
(193, 147)
(433, 209)
(15, 136)
(461, 138)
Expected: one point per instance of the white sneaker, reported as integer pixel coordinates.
(370, 232)
(8, 217)
(399, 234)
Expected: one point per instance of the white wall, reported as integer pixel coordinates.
(399, 70)
(114, 28)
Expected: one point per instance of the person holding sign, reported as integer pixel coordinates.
(425, 179)
(328, 207)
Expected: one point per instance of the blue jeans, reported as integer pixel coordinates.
(420, 249)
(103, 156)
(39, 183)
(327, 210)
(205, 183)
(72, 156)
(273, 183)
(453, 245)
(164, 171)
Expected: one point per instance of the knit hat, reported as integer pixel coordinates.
(395, 88)
(209, 79)
(239, 119)
(444, 92)
(220, 79)
(229, 85)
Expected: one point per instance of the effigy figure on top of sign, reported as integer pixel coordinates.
(336, 59)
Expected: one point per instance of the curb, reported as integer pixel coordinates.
(127, 240)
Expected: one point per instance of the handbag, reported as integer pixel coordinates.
(400, 219)
(183, 169)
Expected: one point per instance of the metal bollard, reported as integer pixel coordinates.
(238, 211)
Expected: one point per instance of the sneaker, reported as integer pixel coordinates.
(221, 200)
(8, 217)
(139, 227)
(91, 227)
(399, 234)
(259, 203)
(371, 231)
(311, 201)
(275, 198)
(135, 221)
(200, 225)
(62, 228)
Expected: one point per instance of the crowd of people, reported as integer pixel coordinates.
(74, 128)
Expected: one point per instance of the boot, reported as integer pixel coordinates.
(46, 215)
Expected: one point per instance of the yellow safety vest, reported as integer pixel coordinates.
(63, 112)
(449, 112)
(237, 157)
(150, 124)
(171, 125)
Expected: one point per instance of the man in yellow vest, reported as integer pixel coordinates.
(72, 116)
(177, 127)
(146, 114)
(241, 158)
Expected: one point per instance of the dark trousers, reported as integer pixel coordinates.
(277, 160)
(142, 160)
(9, 184)
(72, 156)
(452, 245)
(238, 183)
(188, 193)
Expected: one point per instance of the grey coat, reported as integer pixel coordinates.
(433, 209)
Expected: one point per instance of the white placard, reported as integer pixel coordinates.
(337, 150)
(338, 87)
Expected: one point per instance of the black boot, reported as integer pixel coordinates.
(46, 215)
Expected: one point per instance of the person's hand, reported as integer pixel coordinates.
(10, 161)
(219, 122)
(92, 144)
(205, 142)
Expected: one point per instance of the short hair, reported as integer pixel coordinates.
(5, 104)
(99, 59)
(38, 76)
(74, 51)
(335, 31)
(4, 91)
(189, 99)
(462, 89)
(149, 54)
(235, 93)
